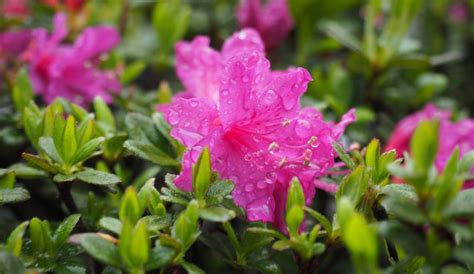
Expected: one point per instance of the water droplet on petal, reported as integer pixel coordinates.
(261, 185)
(269, 97)
(245, 79)
(229, 102)
(303, 128)
(273, 148)
(173, 118)
(225, 92)
(193, 103)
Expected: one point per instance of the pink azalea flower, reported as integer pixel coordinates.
(13, 43)
(14, 8)
(451, 135)
(459, 12)
(71, 70)
(258, 135)
(272, 20)
(401, 136)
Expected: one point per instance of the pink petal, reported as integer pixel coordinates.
(198, 67)
(191, 119)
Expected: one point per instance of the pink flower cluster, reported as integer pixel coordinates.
(250, 118)
(451, 135)
(272, 20)
(71, 70)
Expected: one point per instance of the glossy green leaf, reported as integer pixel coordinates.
(202, 174)
(15, 240)
(101, 249)
(96, 177)
(216, 214)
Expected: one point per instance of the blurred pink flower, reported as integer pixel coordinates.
(258, 135)
(459, 12)
(71, 70)
(72, 5)
(13, 43)
(272, 20)
(451, 135)
(401, 136)
(14, 8)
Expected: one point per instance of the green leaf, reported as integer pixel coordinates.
(22, 91)
(69, 140)
(111, 224)
(191, 268)
(65, 229)
(294, 218)
(269, 267)
(150, 153)
(130, 209)
(216, 214)
(23, 171)
(267, 232)
(10, 264)
(185, 229)
(15, 240)
(86, 151)
(85, 131)
(96, 177)
(13, 195)
(424, 145)
(113, 147)
(48, 147)
(40, 235)
(343, 155)
(400, 191)
(404, 236)
(170, 21)
(354, 185)
(7, 178)
(404, 209)
(101, 249)
(132, 71)
(218, 191)
(134, 244)
(160, 256)
(372, 155)
(295, 195)
(321, 219)
(340, 34)
(103, 114)
(462, 205)
(39, 162)
(202, 175)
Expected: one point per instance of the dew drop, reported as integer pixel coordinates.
(269, 97)
(302, 128)
(193, 103)
(245, 79)
(225, 92)
(229, 102)
(173, 118)
(261, 185)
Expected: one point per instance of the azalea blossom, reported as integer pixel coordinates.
(14, 8)
(258, 135)
(71, 70)
(272, 20)
(451, 135)
(13, 43)
(72, 5)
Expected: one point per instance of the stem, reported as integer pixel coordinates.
(65, 195)
(380, 214)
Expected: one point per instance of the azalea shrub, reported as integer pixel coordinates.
(246, 136)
